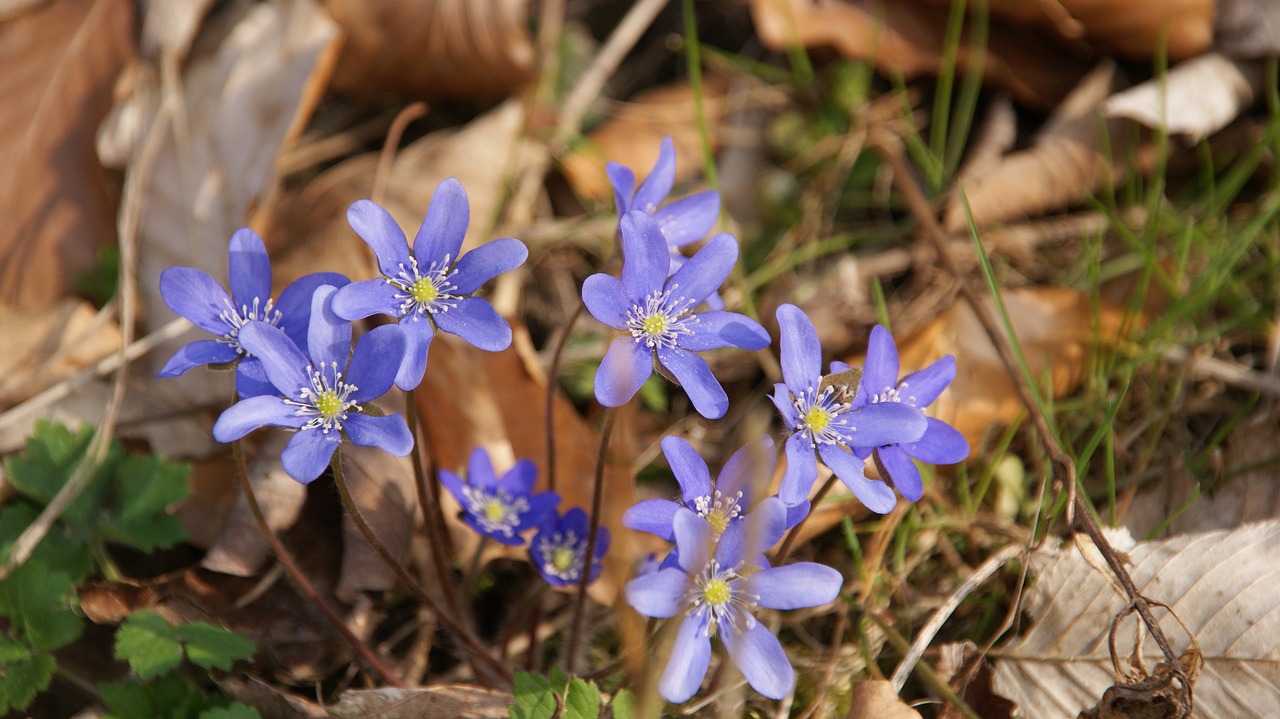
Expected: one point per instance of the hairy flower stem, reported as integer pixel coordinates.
(432, 513)
(588, 557)
(553, 386)
(789, 541)
(486, 666)
(304, 585)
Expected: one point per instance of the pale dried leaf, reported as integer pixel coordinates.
(1197, 98)
(1220, 584)
(240, 547)
(53, 192)
(169, 26)
(876, 698)
(449, 700)
(43, 347)
(382, 486)
(1247, 29)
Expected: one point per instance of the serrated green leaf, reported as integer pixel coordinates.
(581, 700)
(11, 651)
(20, 681)
(38, 604)
(559, 680)
(213, 647)
(58, 551)
(534, 697)
(231, 711)
(149, 644)
(169, 697)
(144, 488)
(51, 455)
(623, 704)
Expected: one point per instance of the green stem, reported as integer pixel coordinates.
(588, 557)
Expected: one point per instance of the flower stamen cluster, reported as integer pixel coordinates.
(425, 292)
(662, 319)
(255, 310)
(562, 554)
(496, 510)
(327, 400)
(820, 413)
(719, 510)
(719, 595)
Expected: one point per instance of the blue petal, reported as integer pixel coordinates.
(725, 329)
(455, 485)
(252, 380)
(659, 595)
(657, 185)
(486, 262)
(376, 362)
(476, 321)
(688, 467)
(707, 270)
(445, 225)
(876, 425)
(693, 539)
(655, 516)
(626, 365)
(540, 505)
(365, 298)
(923, 387)
(782, 399)
(941, 444)
(295, 303)
(249, 414)
(696, 378)
(480, 472)
(875, 494)
(200, 352)
(196, 296)
(606, 300)
(801, 354)
(328, 335)
(283, 362)
(645, 257)
(750, 468)
(747, 541)
(308, 453)
(389, 433)
(796, 586)
(624, 185)
(687, 665)
(520, 478)
(417, 341)
(881, 369)
(797, 512)
(801, 471)
(249, 268)
(760, 658)
(689, 219)
(380, 230)
(904, 476)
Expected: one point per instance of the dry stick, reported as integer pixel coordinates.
(389, 145)
(477, 650)
(1064, 469)
(300, 580)
(588, 559)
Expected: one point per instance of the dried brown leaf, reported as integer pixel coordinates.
(968, 672)
(449, 700)
(1196, 99)
(877, 698)
(53, 192)
(41, 348)
(382, 487)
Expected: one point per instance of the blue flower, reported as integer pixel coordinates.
(558, 549)
(432, 287)
(321, 396)
(719, 587)
(499, 508)
(199, 298)
(656, 313)
(823, 423)
(940, 444)
(686, 220)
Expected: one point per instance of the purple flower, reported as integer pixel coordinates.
(656, 313)
(558, 549)
(199, 298)
(823, 423)
(940, 444)
(432, 287)
(718, 587)
(499, 508)
(686, 220)
(320, 396)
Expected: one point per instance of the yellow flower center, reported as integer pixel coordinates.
(424, 290)
(328, 404)
(655, 325)
(562, 558)
(716, 592)
(718, 521)
(494, 510)
(817, 419)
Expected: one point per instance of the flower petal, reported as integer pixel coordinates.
(445, 225)
(707, 270)
(659, 595)
(480, 471)
(295, 303)
(486, 262)
(923, 387)
(389, 433)
(626, 365)
(801, 354)
(249, 414)
(249, 268)
(748, 540)
(694, 537)
(750, 468)
(689, 219)
(252, 380)
(875, 494)
(760, 658)
(717, 329)
(655, 516)
(800, 473)
(624, 185)
(200, 352)
(196, 296)
(283, 362)
(781, 399)
(520, 478)
(696, 378)
(687, 665)
(904, 476)
(657, 185)
(376, 362)
(876, 425)
(308, 453)
(688, 467)
(366, 298)
(417, 341)
(796, 586)
(880, 371)
(540, 506)
(454, 484)
(606, 300)
(328, 335)
(645, 257)
(380, 230)
(476, 321)
(941, 444)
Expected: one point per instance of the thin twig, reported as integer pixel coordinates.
(389, 146)
(553, 386)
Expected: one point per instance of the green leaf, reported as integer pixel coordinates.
(623, 704)
(51, 455)
(231, 711)
(13, 652)
(213, 647)
(534, 697)
(38, 604)
(149, 644)
(58, 551)
(559, 680)
(582, 700)
(169, 697)
(20, 681)
(145, 487)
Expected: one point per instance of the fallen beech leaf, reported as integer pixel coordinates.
(41, 348)
(53, 194)
(1219, 584)
(877, 698)
(432, 49)
(1196, 99)
(449, 700)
